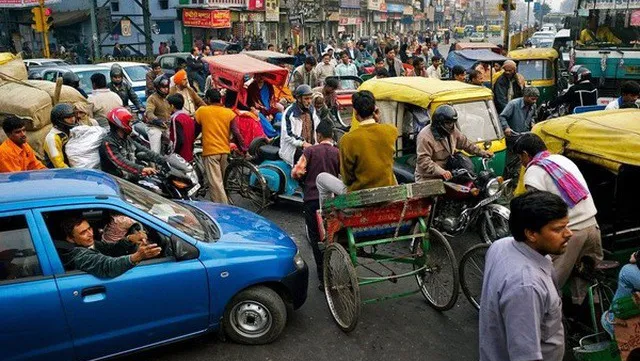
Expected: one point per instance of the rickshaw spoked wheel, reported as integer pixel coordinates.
(341, 288)
(245, 186)
(472, 273)
(439, 281)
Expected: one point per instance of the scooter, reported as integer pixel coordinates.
(469, 202)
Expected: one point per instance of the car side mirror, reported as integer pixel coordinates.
(183, 250)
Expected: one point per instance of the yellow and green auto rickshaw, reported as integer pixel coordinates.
(541, 68)
(408, 102)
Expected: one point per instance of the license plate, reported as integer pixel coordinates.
(193, 190)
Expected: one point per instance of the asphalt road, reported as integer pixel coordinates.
(398, 329)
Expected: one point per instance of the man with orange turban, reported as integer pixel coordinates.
(192, 100)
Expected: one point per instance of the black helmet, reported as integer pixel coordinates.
(444, 114)
(159, 82)
(580, 74)
(71, 79)
(116, 70)
(59, 113)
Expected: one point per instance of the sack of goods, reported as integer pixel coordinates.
(83, 147)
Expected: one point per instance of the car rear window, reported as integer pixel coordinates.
(137, 72)
(85, 78)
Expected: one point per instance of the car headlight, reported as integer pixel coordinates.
(493, 186)
(298, 260)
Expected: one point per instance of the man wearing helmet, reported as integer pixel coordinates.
(440, 140)
(300, 122)
(582, 92)
(63, 119)
(71, 79)
(118, 151)
(122, 88)
(158, 113)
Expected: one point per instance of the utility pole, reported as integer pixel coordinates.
(146, 18)
(484, 16)
(541, 13)
(528, 10)
(507, 20)
(97, 51)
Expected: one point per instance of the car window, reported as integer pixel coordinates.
(168, 62)
(85, 78)
(137, 72)
(50, 75)
(17, 254)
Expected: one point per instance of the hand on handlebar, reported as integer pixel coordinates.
(486, 153)
(507, 132)
(148, 171)
(447, 175)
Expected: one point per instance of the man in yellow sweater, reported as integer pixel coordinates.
(366, 153)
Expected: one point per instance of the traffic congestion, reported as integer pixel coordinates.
(402, 194)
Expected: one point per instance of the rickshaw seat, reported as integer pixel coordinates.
(404, 173)
(269, 152)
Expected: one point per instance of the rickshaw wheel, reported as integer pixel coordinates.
(341, 287)
(245, 186)
(472, 273)
(439, 281)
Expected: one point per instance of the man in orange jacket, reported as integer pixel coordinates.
(15, 154)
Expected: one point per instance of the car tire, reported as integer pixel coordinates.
(255, 316)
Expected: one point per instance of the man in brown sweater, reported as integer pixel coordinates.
(440, 140)
(158, 113)
(366, 153)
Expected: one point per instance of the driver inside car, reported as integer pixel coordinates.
(78, 251)
(119, 152)
(438, 141)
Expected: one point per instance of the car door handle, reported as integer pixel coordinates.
(93, 290)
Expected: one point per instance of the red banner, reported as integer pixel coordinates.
(215, 19)
(254, 5)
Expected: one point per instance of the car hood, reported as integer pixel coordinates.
(238, 225)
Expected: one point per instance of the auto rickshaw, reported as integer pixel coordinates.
(459, 32)
(495, 30)
(605, 145)
(542, 68)
(408, 102)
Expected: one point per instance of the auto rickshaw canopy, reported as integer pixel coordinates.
(534, 54)
(271, 57)
(609, 138)
(490, 46)
(423, 91)
(469, 57)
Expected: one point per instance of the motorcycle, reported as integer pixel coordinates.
(469, 202)
(176, 179)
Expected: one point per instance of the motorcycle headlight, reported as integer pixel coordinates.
(492, 187)
(298, 260)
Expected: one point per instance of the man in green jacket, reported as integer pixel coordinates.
(79, 253)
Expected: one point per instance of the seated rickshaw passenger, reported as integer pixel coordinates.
(261, 96)
(251, 123)
(366, 153)
(438, 141)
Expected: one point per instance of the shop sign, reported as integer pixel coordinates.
(376, 5)
(272, 10)
(25, 3)
(395, 8)
(380, 17)
(125, 27)
(635, 18)
(334, 17)
(255, 5)
(350, 4)
(215, 19)
(256, 17)
(350, 21)
(408, 10)
(296, 20)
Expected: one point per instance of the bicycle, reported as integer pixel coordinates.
(472, 273)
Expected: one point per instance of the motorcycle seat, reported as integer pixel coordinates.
(404, 173)
(269, 152)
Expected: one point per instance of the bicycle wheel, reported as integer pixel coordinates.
(472, 272)
(245, 186)
(438, 282)
(341, 287)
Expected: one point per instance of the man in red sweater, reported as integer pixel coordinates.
(183, 129)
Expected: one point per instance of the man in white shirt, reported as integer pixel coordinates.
(559, 175)
(434, 70)
(103, 99)
(630, 91)
(346, 68)
(325, 69)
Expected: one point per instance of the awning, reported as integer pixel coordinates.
(69, 17)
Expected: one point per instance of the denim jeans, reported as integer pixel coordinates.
(628, 282)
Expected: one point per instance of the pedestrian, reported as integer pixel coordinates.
(300, 56)
(151, 75)
(305, 74)
(182, 128)
(117, 51)
(508, 86)
(459, 73)
(16, 155)
(173, 48)
(557, 174)
(321, 158)
(630, 91)
(194, 69)
(393, 64)
(217, 123)
(346, 68)
(418, 67)
(271, 47)
(434, 71)
(325, 69)
(475, 78)
(520, 307)
(518, 117)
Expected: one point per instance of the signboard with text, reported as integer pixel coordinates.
(376, 5)
(350, 4)
(25, 3)
(272, 10)
(395, 8)
(215, 19)
(255, 5)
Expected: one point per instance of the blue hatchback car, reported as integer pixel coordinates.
(221, 267)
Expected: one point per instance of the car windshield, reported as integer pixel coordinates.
(85, 78)
(535, 69)
(137, 72)
(478, 121)
(172, 213)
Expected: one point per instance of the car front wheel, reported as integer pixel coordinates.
(255, 316)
